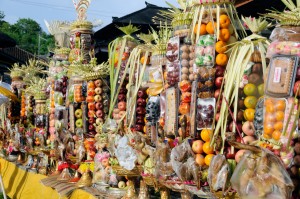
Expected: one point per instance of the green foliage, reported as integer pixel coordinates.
(26, 32)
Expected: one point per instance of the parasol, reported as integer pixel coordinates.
(6, 91)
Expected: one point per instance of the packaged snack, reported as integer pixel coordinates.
(261, 176)
(171, 112)
(173, 73)
(205, 51)
(173, 49)
(274, 114)
(283, 48)
(281, 76)
(205, 113)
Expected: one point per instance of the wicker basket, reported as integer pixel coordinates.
(120, 171)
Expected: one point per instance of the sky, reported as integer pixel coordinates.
(64, 10)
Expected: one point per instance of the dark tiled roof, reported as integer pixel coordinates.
(6, 41)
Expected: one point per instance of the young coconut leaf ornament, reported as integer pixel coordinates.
(239, 61)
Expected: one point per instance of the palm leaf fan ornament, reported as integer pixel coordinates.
(238, 63)
(61, 34)
(288, 17)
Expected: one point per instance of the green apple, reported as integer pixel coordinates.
(78, 113)
(79, 123)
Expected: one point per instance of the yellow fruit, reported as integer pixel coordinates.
(250, 89)
(249, 114)
(207, 148)
(206, 134)
(250, 101)
(208, 159)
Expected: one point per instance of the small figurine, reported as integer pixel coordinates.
(130, 193)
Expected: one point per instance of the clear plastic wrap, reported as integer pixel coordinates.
(285, 34)
(205, 112)
(218, 173)
(261, 176)
(173, 73)
(183, 162)
(173, 49)
(205, 51)
(283, 48)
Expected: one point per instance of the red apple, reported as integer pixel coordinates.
(229, 154)
(220, 71)
(248, 139)
(197, 146)
(91, 106)
(91, 127)
(238, 139)
(123, 91)
(240, 116)
(140, 110)
(248, 128)
(141, 102)
(121, 97)
(217, 94)
(296, 85)
(239, 155)
(99, 113)
(141, 94)
(217, 116)
(298, 74)
(91, 120)
(98, 83)
(218, 82)
(99, 106)
(122, 106)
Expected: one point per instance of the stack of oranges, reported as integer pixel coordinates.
(204, 152)
(273, 118)
(225, 33)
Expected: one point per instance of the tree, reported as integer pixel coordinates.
(26, 33)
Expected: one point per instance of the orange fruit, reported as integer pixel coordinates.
(268, 128)
(250, 89)
(250, 101)
(208, 159)
(270, 108)
(207, 148)
(199, 159)
(206, 135)
(278, 126)
(279, 115)
(202, 29)
(280, 105)
(224, 21)
(269, 118)
(268, 102)
(249, 114)
(221, 47)
(224, 34)
(276, 135)
(221, 59)
(267, 136)
(210, 27)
